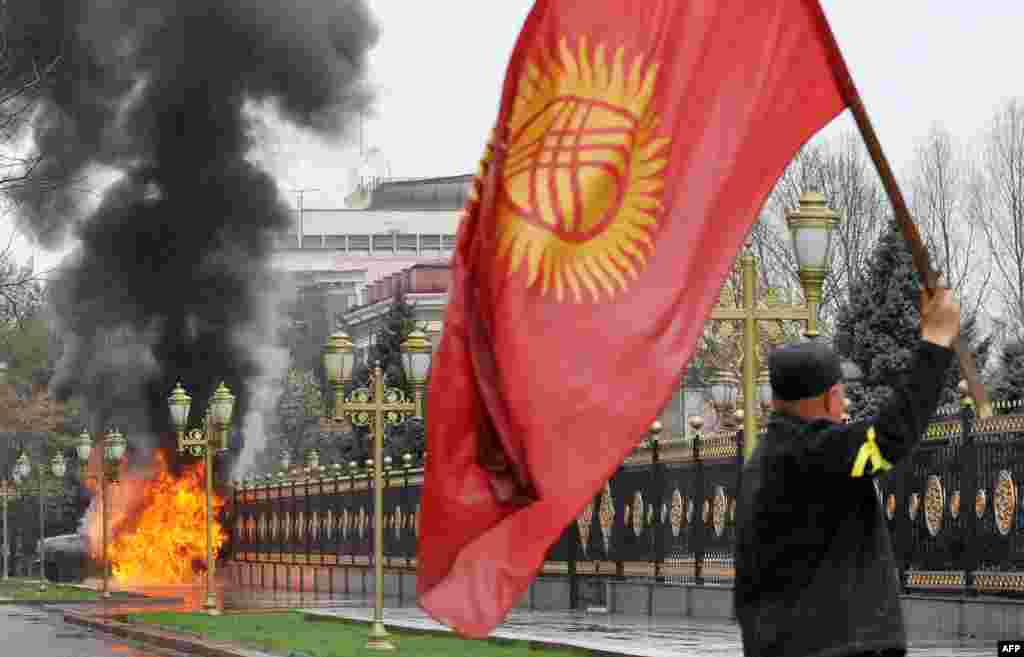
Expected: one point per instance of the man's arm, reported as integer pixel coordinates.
(890, 435)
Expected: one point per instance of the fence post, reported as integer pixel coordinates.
(969, 486)
(406, 506)
(740, 441)
(352, 517)
(306, 533)
(574, 592)
(658, 525)
(620, 567)
(235, 519)
(904, 526)
(698, 511)
(275, 535)
(321, 514)
(292, 533)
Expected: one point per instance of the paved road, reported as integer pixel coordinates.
(32, 628)
(641, 637)
(37, 632)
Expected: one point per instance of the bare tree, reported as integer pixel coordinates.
(939, 200)
(22, 75)
(996, 203)
(842, 171)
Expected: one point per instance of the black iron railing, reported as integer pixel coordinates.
(668, 514)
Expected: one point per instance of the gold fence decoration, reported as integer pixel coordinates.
(999, 424)
(943, 430)
(1004, 502)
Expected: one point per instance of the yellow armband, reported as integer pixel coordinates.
(869, 453)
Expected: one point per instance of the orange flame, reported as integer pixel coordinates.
(157, 526)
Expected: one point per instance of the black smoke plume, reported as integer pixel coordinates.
(171, 278)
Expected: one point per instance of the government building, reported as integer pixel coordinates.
(395, 236)
(347, 263)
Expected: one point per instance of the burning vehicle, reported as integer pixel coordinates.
(170, 278)
(67, 558)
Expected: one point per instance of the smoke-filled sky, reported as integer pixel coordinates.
(170, 278)
(185, 229)
(439, 66)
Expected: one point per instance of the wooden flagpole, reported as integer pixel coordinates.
(919, 252)
(922, 262)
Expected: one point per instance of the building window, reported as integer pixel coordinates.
(360, 243)
(407, 243)
(430, 243)
(449, 242)
(384, 243)
(335, 242)
(311, 242)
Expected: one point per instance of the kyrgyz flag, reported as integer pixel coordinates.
(635, 145)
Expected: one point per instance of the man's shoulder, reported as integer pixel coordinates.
(787, 438)
(788, 427)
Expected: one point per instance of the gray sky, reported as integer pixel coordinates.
(439, 67)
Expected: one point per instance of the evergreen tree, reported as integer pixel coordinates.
(295, 426)
(409, 436)
(387, 348)
(1009, 378)
(880, 326)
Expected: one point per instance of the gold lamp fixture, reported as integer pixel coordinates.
(811, 227)
(723, 393)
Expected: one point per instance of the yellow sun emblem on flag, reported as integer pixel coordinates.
(583, 173)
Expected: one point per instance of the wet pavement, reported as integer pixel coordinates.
(163, 598)
(42, 632)
(640, 636)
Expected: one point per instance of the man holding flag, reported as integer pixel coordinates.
(633, 150)
(815, 572)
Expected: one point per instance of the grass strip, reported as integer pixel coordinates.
(291, 633)
(27, 590)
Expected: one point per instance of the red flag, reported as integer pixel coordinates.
(632, 153)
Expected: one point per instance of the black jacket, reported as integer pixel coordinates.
(815, 573)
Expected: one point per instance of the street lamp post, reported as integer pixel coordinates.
(811, 227)
(83, 449)
(22, 468)
(203, 442)
(113, 450)
(7, 491)
(376, 406)
(58, 467)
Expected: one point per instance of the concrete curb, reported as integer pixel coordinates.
(132, 599)
(42, 603)
(195, 645)
(164, 639)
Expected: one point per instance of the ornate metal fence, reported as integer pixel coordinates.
(326, 519)
(668, 514)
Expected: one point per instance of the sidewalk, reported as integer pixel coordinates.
(602, 633)
(639, 636)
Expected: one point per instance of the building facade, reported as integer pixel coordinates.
(424, 286)
(332, 256)
(394, 236)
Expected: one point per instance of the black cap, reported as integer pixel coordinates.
(803, 371)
